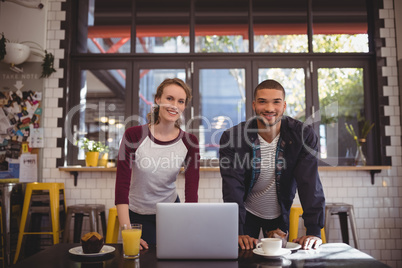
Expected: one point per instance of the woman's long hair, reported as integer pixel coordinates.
(153, 116)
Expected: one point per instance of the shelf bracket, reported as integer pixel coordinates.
(75, 174)
(372, 173)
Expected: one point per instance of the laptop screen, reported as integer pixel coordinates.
(197, 230)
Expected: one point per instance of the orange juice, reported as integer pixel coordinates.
(131, 242)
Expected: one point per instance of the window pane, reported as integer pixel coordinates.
(150, 79)
(104, 26)
(340, 26)
(162, 26)
(278, 27)
(222, 105)
(102, 108)
(341, 97)
(221, 26)
(292, 79)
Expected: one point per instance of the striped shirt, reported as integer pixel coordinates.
(263, 200)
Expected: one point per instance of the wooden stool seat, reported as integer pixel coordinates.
(93, 211)
(295, 212)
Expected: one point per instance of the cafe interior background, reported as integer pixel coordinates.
(104, 81)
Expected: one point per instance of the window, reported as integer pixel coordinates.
(108, 27)
(318, 50)
(340, 26)
(341, 101)
(162, 26)
(279, 27)
(222, 105)
(221, 26)
(100, 110)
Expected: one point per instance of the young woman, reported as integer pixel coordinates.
(150, 158)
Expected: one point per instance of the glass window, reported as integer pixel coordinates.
(340, 26)
(102, 108)
(104, 27)
(222, 105)
(278, 27)
(221, 26)
(162, 26)
(293, 80)
(341, 97)
(167, 34)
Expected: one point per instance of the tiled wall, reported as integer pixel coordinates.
(378, 207)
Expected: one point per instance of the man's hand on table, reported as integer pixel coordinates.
(308, 241)
(247, 242)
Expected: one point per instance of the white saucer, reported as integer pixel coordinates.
(279, 253)
(105, 250)
(292, 246)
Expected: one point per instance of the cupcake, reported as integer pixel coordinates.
(92, 242)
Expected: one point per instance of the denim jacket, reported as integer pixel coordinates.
(296, 167)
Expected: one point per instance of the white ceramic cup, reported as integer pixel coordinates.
(270, 245)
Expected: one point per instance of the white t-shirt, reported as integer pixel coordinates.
(154, 175)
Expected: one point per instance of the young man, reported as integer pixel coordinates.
(263, 161)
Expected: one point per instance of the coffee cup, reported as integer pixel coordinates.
(270, 245)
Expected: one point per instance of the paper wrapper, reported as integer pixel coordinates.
(278, 233)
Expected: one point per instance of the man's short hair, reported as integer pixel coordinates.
(270, 84)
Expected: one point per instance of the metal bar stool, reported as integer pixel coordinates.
(54, 191)
(16, 209)
(93, 211)
(112, 233)
(344, 211)
(295, 212)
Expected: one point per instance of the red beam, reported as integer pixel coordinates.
(124, 31)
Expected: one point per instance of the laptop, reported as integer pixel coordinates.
(197, 230)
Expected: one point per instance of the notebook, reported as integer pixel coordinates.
(197, 230)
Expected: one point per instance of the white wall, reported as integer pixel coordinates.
(20, 24)
(378, 207)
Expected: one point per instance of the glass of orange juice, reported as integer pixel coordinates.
(131, 235)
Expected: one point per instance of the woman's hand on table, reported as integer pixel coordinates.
(143, 244)
(247, 242)
(308, 241)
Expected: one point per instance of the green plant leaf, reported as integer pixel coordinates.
(47, 65)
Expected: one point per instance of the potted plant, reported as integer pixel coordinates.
(103, 155)
(19, 52)
(92, 150)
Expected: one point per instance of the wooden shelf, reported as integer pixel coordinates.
(75, 169)
(351, 168)
(372, 169)
(86, 169)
